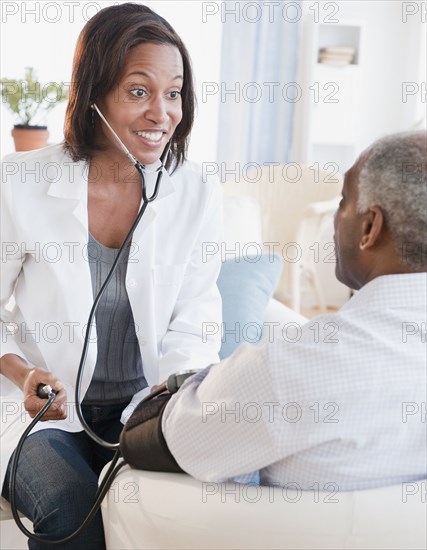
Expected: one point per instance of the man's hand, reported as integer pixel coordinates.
(33, 404)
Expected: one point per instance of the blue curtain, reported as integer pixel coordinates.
(258, 72)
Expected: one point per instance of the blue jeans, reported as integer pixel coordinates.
(57, 479)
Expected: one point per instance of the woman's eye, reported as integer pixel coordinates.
(138, 92)
(175, 94)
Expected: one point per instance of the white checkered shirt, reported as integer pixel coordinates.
(340, 401)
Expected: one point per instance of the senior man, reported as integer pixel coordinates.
(343, 406)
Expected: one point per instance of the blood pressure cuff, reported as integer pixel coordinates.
(142, 443)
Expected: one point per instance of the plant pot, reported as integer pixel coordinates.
(28, 138)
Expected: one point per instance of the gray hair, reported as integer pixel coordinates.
(393, 176)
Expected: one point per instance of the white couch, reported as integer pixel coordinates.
(11, 537)
(149, 510)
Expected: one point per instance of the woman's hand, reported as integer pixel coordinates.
(16, 369)
(33, 404)
(157, 387)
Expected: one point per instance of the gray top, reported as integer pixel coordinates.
(118, 372)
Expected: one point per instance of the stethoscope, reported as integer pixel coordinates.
(145, 201)
(136, 162)
(46, 392)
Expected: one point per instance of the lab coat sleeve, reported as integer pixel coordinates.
(11, 261)
(193, 338)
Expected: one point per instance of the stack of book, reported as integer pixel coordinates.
(337, 55)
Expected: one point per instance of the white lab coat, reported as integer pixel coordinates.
(171, 285)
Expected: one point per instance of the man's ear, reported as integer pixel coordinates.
(372, 226)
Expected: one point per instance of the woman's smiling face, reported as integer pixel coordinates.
(145, 107)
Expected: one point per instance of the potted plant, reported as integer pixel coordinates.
(31, 102)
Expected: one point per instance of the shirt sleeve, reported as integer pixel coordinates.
(218, 425)
(193, 337)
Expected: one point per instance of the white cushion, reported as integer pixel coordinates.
(164, 511)
(277, 312)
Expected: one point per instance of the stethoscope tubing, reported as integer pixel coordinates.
(113, 468)
(145, 201)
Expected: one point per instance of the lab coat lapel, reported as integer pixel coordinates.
(72, 180)
(72, 234)
(139, 278)
(72, 186)
(165, 189)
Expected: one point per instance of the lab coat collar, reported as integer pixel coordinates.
(166, 185)
(69, 179)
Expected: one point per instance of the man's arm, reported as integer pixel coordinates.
(220, 424)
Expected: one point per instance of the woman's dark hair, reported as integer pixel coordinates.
(98, 64)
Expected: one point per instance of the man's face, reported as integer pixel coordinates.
(348, 231)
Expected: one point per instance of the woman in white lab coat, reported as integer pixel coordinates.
(66, 209)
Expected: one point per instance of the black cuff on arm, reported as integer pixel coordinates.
(142, 443)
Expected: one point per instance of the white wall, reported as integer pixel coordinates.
(43, 35)
(393, 46)
(394, 52)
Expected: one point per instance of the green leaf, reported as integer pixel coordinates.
(28, 99)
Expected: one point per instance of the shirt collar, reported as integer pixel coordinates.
(400, 290)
